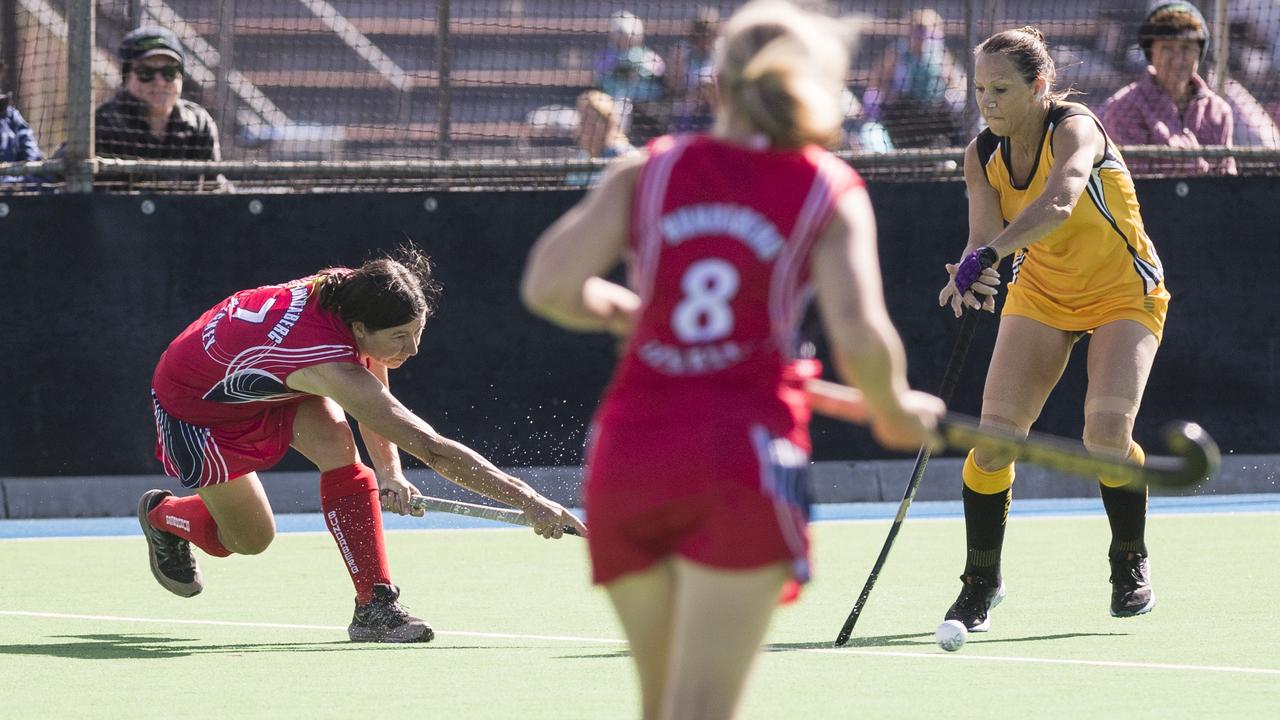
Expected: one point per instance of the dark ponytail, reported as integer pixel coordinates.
(384, 292)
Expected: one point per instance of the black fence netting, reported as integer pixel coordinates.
(339, 94)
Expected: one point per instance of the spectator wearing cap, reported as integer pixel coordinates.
(1171, 105)
(147, 118)
(626, 68)
(17, 141)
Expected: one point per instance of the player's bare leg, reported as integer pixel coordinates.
(719, 620)
(321, 433)
(1120, 357)
(643, 603)
(1026, 364)
(246, 525)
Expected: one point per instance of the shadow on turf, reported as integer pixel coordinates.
(916, 640)
(113, 646)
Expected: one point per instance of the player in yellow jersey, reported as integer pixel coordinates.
(1046, 185)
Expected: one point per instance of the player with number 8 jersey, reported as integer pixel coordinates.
(722, 271)
(697, 459)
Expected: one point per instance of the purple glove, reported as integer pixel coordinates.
(973, 265)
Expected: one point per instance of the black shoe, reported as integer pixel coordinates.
(1131, 592)
(382, 619)
(973, 607)
(171, 561)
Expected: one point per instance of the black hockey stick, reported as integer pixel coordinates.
(1193, 456)
(950, 378)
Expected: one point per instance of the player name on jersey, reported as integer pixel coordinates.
(735, 221)
(695, 360)
(297, 302)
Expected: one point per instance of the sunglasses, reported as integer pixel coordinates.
(147, 74)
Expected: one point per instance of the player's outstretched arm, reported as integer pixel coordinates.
(373, 406)
(394, 491)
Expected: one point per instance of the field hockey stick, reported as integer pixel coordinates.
(1191, 455)
(484, 512)
(837, 393)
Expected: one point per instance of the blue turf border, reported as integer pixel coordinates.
(312, 522)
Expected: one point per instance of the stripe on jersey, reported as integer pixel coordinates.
(649, 199)
(788, 300)
(1017, 263)
(251, 365)
(1151, 274)
(200, 461)
(784, 478)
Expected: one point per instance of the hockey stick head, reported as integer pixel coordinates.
(1198, 451)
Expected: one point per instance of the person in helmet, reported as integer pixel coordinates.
(1171, 105)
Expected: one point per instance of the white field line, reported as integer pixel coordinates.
(288, 626)
(951, 657)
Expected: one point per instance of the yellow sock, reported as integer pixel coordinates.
(986, 483)
(1136, 455)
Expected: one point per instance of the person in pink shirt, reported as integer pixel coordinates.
(1171, 105)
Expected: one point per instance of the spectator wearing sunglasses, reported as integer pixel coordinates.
(147, 118)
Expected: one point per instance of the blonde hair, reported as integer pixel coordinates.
(606, 129)
(598, 101)
(782, 69)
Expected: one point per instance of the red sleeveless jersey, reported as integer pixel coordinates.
(720, 241)
(231, 364)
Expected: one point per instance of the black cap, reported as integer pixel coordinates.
(147, 42)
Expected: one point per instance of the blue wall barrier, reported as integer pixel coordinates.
(95, 287)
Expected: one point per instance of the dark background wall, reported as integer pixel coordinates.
(93, 289)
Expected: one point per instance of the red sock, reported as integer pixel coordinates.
(349, 501)
(189, 519)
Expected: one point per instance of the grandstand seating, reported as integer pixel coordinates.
(503, 65)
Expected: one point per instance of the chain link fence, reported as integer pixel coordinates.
(328, 95)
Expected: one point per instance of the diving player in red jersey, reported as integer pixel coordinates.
(281, 366)
(697, 462)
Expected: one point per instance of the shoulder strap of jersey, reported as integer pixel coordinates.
(647, 199)
(1062, 110)
(987, 144)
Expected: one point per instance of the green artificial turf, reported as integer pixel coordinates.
(86, 632)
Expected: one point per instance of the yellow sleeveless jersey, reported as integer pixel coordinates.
(1097, 267)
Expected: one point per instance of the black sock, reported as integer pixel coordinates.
(1127, 513)
(984, 521)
